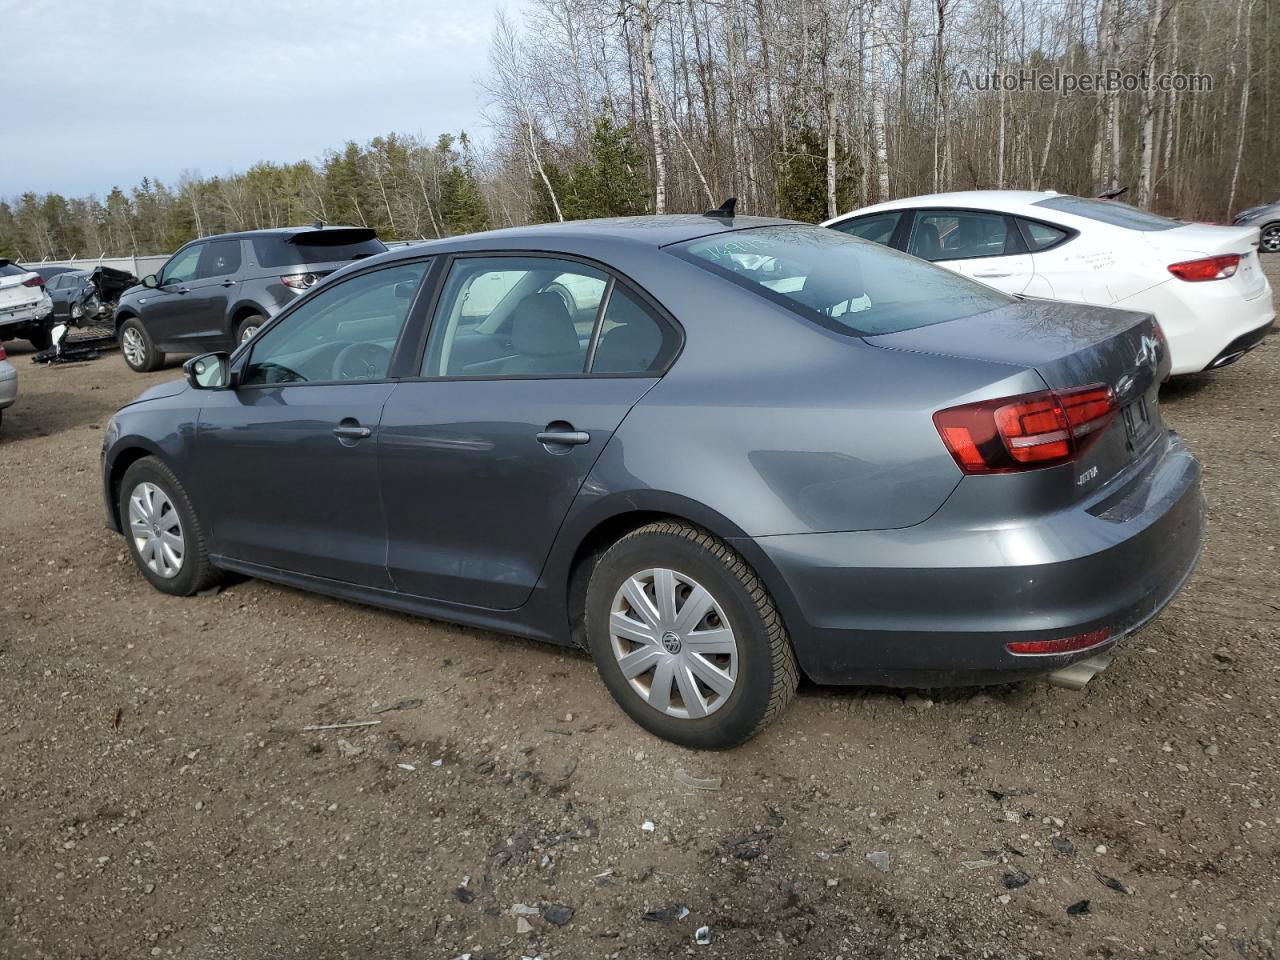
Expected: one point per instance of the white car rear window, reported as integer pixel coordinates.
(1113, 212)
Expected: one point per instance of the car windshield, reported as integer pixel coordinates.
(849, 285)
(1113, 212)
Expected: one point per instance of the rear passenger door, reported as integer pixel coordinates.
(530, 365)
(981, 244)
(209, 293)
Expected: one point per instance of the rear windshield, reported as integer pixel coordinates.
(1109, 211)
(12, 270)
(322, 246)
(852, 286)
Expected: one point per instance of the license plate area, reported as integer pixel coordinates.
(1137, 422)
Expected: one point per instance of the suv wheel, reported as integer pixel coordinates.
(249, 327)
(139, 352)
(164, 535)
(686, 637)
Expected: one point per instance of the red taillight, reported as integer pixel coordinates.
(1208, 268)
(34, 281)
(1020, 433)
(1081, 641)
(2, 353)
(299, 281)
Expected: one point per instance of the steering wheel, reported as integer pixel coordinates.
(361, 361)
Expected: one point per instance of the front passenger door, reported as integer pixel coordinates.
(164, 310)
(289, 457)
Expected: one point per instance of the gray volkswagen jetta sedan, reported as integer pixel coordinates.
(717, 452)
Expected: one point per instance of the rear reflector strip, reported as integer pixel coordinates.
(1081, 641)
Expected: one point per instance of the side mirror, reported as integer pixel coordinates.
(151, 282)
(209, 371)
(405, 289)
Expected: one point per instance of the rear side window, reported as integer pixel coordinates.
(632, 339)
(1041, 236)
(319, 246)
(878, 228)
(848, 285)
(958, 235)
(1112, 212)
(219, 258)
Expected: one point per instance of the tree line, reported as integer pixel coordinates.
(800, 108)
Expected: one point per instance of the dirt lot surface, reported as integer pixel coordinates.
(159, 796)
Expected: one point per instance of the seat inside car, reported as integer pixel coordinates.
(632, 345)
(928, 244)
(543, 337)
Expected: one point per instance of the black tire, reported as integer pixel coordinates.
(150, 359)
(251, 322)
(767, 674)
(195, 573)
(41, 339)
(1270, 242)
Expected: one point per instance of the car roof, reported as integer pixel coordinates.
(281, 231)
(1011, 201)
(650, 232)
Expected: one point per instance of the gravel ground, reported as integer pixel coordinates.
(160, 797)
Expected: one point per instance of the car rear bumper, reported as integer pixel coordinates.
(27, 313)
(936, 604)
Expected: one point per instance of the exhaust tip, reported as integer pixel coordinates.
(1078, 674)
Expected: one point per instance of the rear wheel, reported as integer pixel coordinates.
(249, 327)
(139, 352)
(165, 537)
(41, 339)
(687, 639)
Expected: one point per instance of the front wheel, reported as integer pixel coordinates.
(686, 637)
(139, 351)
(165, 537)
(1271, 238)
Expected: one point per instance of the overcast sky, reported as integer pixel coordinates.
(101, 93)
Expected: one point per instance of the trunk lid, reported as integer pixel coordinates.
(1068, 345)
(14, 295)
(1193, 241)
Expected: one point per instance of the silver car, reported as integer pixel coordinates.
(1266, 217)
(8, 382)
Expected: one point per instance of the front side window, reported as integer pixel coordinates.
(514, 316)
(182, 267)
(848, 285)
(220, 258)
(958, 235)
(878, 228)
(1112, 212)
(346, 332)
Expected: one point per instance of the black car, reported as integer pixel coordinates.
(85, 296)
(216, 292)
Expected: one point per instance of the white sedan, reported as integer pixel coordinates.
(1203, 283)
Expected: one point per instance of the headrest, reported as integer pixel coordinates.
(541, 326)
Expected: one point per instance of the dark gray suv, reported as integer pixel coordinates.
(216, 292)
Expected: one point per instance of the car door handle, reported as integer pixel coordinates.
(228, 283)
(182, 290)
(990, 273)
(570, 438)
(351, 432)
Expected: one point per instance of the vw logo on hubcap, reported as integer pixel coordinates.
(671, 642)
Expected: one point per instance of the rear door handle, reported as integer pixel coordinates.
(228, 283)
(571, 438)
(990, 273)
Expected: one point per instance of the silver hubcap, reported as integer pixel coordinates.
(673, 643)
(134, 349)
(248, 334)
(156, 531)
(1271, 240)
